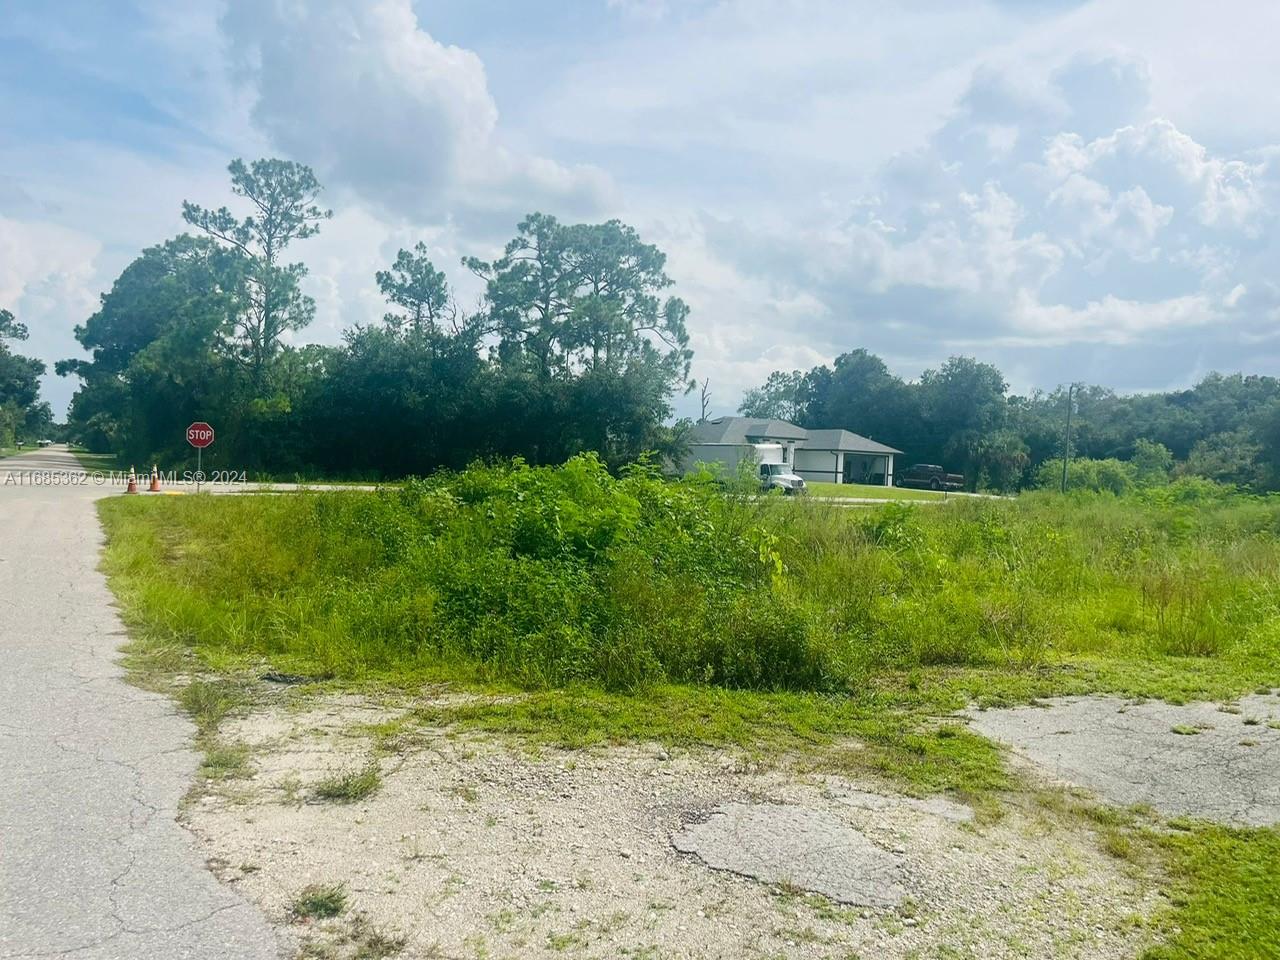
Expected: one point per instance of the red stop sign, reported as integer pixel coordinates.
(200, 434)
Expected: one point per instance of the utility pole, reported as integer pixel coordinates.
(1066, 440)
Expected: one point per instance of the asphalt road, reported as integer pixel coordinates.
(93, 864)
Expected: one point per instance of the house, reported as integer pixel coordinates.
(726, 439)
(839, 456)
(831, 456)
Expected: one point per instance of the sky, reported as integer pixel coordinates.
(1074, 191)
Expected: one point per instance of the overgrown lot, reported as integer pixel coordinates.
(554, 576)
(637, 608)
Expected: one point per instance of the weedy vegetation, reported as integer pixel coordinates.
(632, 607)
(319, 902)
(351, 787)
(547, 577)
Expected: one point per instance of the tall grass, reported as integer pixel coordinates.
(552, 576)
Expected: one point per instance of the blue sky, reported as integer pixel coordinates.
(1074, 191)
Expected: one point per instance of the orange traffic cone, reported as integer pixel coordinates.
(155, 480)
(133, 482)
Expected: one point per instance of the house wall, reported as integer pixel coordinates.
(819, 466)
(730, 455)
(834, 466)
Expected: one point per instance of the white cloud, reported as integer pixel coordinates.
(1011, 231)
(360, 91)
(41, 263)
(46, 275)
(1110, 320)
(1226, 192)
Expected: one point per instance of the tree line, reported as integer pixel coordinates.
(23, 416)
(576, 345)
(962, 415)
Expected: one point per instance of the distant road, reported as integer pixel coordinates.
(93, 865)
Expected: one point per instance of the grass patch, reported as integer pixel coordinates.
(866, 735)
(350, 787)
(208, 702)
(226, 762)
(319, 902)
(818, 488)
(1225, 894)
(373, 945)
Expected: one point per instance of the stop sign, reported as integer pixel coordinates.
(200, 435)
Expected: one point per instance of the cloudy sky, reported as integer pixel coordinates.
(1073, 191)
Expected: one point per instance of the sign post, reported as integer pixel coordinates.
(199, 435)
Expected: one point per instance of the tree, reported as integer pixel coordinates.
(1099, 476)
(20, 413)
(1004, 459)
(563, 299)
(1229, 457)
(282, 195)
(617, 315)
(19, 375)
(154, 345)
(859, 393)
(780, 398)
(1267, 435)
(1152, 462)
(1226, 425)
(421, 292)
(588, 351)
(704, 400)
(10, 328)
(963, 402)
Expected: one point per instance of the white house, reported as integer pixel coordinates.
(832, 456)
(839, 456)
(726, 439)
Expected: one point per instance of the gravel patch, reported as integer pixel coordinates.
(473, 847)
(1196, 760)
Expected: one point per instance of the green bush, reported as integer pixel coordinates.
(1096, 476)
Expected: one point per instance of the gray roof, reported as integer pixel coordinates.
(738, 429)
(747, 429)
(844, 440)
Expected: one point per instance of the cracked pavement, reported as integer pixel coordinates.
(1194, 760)
(809, 849)
(93, 863)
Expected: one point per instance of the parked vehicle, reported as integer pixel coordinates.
(780, 476)
(768, 458)
(928, 476)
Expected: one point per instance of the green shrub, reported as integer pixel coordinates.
(1096, 476)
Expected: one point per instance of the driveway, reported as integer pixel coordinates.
(93, 863)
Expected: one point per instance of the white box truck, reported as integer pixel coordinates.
(765, 459)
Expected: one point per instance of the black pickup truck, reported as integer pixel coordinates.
(928, 476)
